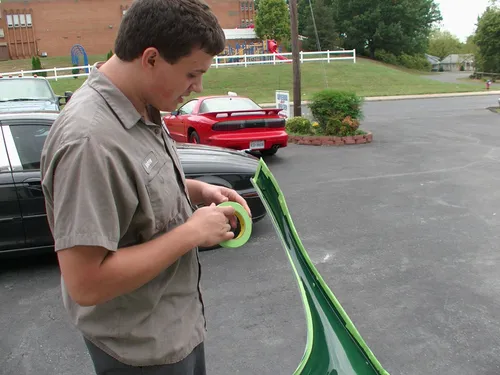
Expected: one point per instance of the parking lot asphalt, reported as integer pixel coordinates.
(404, 231)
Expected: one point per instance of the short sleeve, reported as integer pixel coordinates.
(90, 198)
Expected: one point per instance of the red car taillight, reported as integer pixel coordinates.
(249, 124)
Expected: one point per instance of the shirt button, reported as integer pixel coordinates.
(157, 131)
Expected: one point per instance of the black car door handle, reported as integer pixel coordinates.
(33, 184)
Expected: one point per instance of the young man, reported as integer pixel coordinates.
(120, 209)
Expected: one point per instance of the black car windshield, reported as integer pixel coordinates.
(24, 89)
(228, 104)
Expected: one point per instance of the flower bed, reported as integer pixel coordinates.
(338, 116)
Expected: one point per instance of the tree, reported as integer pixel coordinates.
(443, 43)
(487, 39)
(303, 15)
(395, 26)
(272, 20)
(469, 47)
(323, 20)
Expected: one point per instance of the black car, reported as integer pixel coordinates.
(31, 94)
(23, 221)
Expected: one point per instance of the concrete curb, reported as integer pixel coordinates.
(409, 97)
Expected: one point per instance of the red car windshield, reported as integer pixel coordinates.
(228, 104)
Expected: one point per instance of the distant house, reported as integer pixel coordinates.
(453, 62)
(434, 61)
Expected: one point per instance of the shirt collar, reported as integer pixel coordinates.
(117, 101)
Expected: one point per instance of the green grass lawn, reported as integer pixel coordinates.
(366, 78)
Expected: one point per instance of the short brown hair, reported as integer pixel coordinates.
(173, 27)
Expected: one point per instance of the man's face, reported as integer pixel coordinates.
(169, 84)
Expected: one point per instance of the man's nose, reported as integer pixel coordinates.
(197, 86)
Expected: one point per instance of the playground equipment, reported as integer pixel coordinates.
(244, 49)
(272, 47)
(76, 51)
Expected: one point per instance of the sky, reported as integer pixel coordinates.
(460, 16)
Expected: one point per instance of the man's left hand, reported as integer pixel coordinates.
(218, 194)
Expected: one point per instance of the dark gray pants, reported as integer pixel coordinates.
(104, 364)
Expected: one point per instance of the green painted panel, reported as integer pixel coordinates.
(334, 346)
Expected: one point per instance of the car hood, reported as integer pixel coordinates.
(29, 105)
(201, 159)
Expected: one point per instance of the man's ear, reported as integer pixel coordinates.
(149, 58)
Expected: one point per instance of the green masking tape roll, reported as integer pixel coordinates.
(245, 226)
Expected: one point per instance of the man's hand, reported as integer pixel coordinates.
(218, 194)
(211, 225)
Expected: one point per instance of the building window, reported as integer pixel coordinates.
(18, 20)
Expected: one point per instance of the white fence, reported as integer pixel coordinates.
(220, 61)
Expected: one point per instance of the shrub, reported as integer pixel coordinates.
(36, 64)
(417, 62)
(338, 112)
(75, 71)
(337, 126)
(109, 55)
(386, 57)
(299, 125)
(329, 104)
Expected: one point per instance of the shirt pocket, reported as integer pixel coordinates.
(164, 194)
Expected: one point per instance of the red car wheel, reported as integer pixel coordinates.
(194, 137)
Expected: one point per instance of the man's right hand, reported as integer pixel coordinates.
(94, 275)
(211, 224)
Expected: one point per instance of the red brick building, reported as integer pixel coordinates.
(52, 27)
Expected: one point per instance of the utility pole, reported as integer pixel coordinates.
(297, 109)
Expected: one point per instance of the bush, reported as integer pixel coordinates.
(109, 55)
(341, 127)
(75, 71)
(386, 57)
(417, 62)
(299, 125)
(338, 112)
(36, 64)
(338, 104)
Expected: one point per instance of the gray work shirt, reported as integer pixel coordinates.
(112, 179)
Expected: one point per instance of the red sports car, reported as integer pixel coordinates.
(228, 121)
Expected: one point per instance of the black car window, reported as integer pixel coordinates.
(228, 104)
(29, 140)
(187, 108)
(4, 160)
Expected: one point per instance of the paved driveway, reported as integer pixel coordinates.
(459, 78)
(404, 230)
